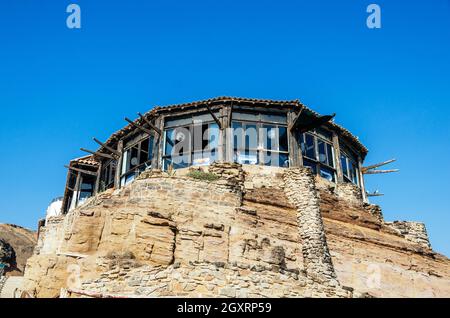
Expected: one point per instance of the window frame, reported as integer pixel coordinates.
(316, 162)
(133, 172)
(258, 121)
(191, 126)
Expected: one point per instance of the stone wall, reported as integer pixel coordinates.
(207, 280)
(255, 231)
(412, 231)
(302, 193)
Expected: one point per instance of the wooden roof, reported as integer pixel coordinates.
(156, 110)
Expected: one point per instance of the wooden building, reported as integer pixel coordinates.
(247, 131)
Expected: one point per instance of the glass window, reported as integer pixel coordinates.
(310, 164)
(318, 153)
(195, 144)
(135, 160)
(327, 173)
(86, 188)
(274, 118)
(349, 169)
(308, 147)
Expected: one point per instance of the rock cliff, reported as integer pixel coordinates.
(16, 246)
(249, 232)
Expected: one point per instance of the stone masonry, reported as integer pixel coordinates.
(252, 232)
(301, 191)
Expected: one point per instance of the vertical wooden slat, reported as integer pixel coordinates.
(75, 194)
(119, 165)
(292, 141)
(361, 181)
(161, 145)
(97, 180)
(337, 155)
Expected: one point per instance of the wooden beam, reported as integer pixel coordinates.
(317, 123)
(81, 170)
(114, 151)
(378, 165)
(158, 131)
(380, 171)
(295, 121)
(138, 126)
(70, 189)
(105, 155)
(374, 194)
(230, 114)
(214, 116)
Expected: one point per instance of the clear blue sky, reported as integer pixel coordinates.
(391, 87)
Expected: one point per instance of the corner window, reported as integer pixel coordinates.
(136, 159)
(194, 143)
(86, 188)
(349, 169)
(318, 153)
(107, 175)
(260, 139)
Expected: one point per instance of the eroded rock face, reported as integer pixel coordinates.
(256, 231)
(16, 246)
(7, 254)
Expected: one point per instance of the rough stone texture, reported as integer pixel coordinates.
(413, 231)
(7, 255)
(256, 232)
(20, 243)
(301, 191)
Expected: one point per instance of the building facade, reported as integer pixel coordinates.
(223, 129)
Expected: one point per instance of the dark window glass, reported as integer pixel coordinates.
(344, 165)
(278, 159)
(283, 139)
(251, 137)
(310, 164)
(170, 141)
(274, 118)
(248, 157)
(307, 146)
(330, 155)
(322, 152)
(237, 135)
(327, 173)
(133, 159)
(143, 156)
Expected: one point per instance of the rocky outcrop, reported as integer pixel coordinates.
(7, 254)
(254, 231)
(16, 246)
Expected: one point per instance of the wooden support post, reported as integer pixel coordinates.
(222, 132)
(230, 115)
(82, 170)
(97, 180)
(380, 171)
(317, 123)
(337, 158)
(114, 151)
(228, 136)
(295, 119)
(292, 142)
(214, 117)
(156, 129)
(119, 165)
(377, 165)
(362, 184)
(75, 193)
(149, 132)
